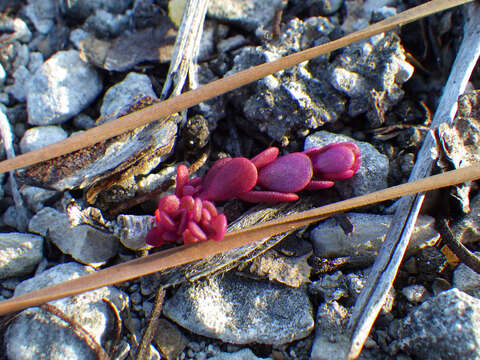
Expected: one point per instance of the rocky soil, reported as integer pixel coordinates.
(66, 66)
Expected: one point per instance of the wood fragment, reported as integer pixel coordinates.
(218, 87)
(384, 270)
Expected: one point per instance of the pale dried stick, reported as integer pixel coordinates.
(218, 87)
(390, 256)
(186, 47)
(6, 133)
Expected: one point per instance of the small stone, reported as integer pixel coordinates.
(83, 122)
(447, 323)
(147, 307)
(62, 87)
(19, 253)
(85, 243)
(125, 92)
(77, 36)
(136, 298)
(267, 313)
(36, 333)
(415, 293)
(439, 285)
(40, 136)
(42, 13)
(231, 43)
(134, 287)
(329, 287)
(169, 339)
(35, 197)
(4, 99)
(9, 217)
(18, 89)
(356, 282)
(22, 56)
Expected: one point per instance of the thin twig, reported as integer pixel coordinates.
(186, 254)
(218, 87)
(465, 255)
(382, 275)
(152, 325)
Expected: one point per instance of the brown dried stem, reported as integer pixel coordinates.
(186, 254)
(218, 87)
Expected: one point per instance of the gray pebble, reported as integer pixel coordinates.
(62, 87)
(40, 136)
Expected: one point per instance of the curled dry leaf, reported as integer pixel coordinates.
(109, 162)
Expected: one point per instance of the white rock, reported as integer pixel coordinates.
(19, 253)
(85, 243)
(40, 136)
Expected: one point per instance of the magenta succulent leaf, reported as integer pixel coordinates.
(189, 216)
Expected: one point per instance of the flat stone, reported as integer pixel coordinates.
(242, 311)
(125, 92)
(40, 136)
(372, 174)
(83, 242)
(370, 230)
(61, 88)
(39, 334)
(19, 253)
(443, 327)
